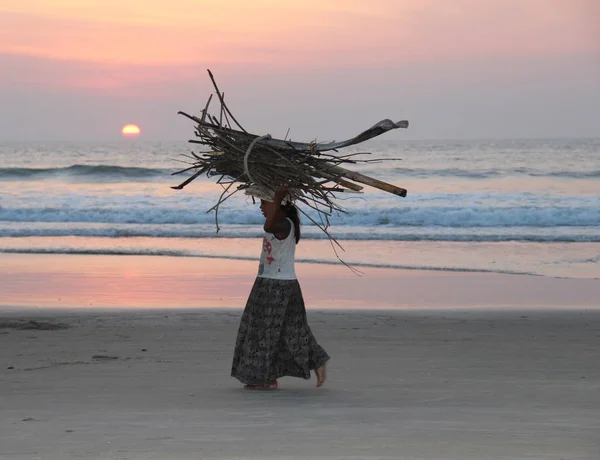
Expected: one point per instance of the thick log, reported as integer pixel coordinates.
(338, 180)
(361, 178)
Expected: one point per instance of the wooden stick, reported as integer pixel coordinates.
(205, 111)
(223, 105)
(339, 180)
(190, 179)
(358, 177)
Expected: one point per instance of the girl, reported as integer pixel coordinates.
(274, 339)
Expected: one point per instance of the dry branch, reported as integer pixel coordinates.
(312, 176)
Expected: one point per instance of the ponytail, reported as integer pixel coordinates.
(291, 212)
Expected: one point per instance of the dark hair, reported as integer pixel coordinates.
(292, 213)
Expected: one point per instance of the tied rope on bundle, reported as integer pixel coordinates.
(253, 162)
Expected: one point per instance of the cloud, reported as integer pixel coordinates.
(294, 34)
(512, 97)
(324, 69)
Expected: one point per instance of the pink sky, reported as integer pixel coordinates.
(142, 61)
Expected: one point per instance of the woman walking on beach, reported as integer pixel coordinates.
(274, 339)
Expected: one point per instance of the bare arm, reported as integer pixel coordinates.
(275, 222)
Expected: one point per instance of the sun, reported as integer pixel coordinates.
(131, 130)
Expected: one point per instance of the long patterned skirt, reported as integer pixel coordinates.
(274, 339)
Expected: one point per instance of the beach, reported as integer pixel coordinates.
(441, 167)
(471, 332)
(422, 366)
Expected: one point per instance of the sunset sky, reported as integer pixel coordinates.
(326, 69)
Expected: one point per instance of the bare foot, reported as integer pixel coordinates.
(271, 386)
(321, 373)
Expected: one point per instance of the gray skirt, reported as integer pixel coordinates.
(274, 339)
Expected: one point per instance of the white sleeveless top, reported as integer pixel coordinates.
(277, 256)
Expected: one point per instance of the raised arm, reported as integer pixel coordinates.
(276, 222)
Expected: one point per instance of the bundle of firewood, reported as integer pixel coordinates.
(313, 177)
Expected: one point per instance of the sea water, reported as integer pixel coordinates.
(507, 206)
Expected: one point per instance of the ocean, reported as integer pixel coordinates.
(503, 206)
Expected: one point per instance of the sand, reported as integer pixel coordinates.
(477, 383)
(128, 357)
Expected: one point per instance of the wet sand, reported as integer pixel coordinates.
(93, 281)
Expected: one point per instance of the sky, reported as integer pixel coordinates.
(324, 69)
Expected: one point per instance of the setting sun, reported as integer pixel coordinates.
(130, 131)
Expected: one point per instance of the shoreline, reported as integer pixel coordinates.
(94, 281)
(331, 263)
(572, 260)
